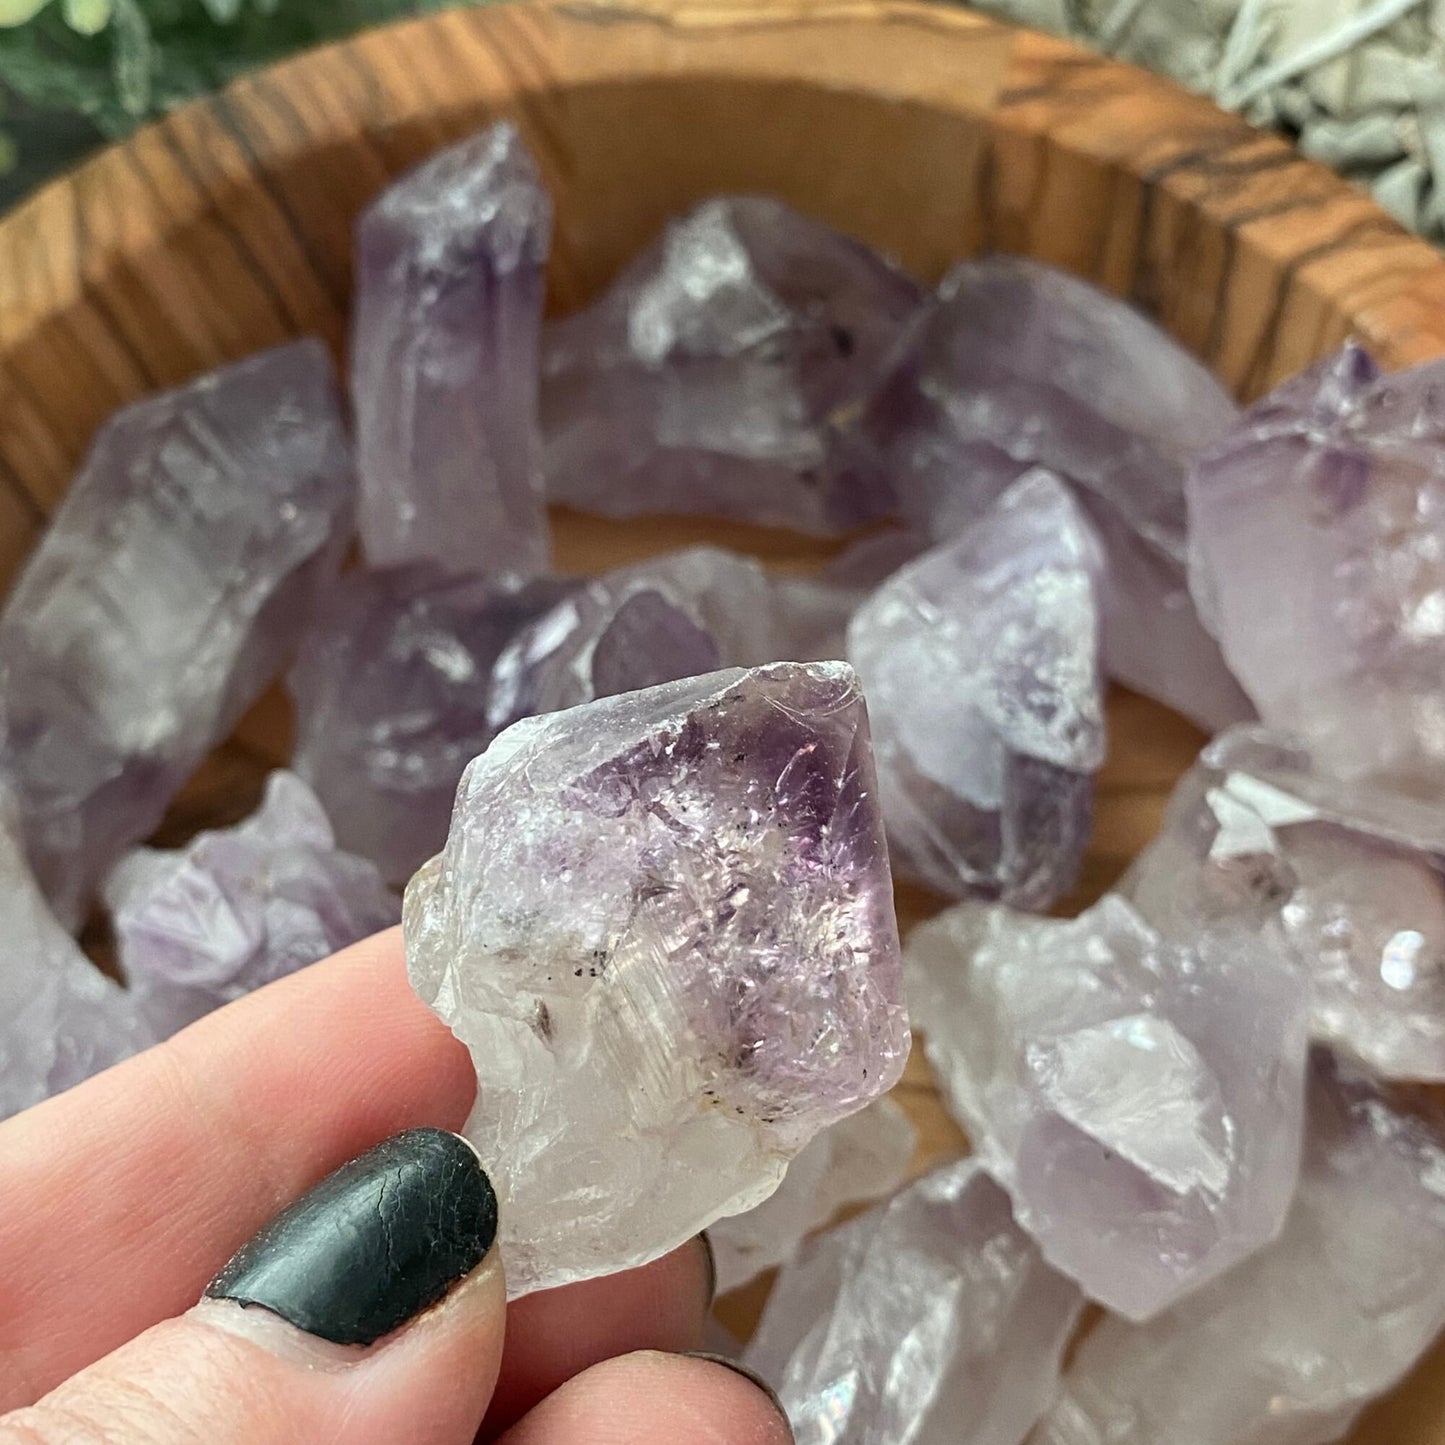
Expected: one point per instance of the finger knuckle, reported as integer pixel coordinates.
(19, 1429)
(117, 1413)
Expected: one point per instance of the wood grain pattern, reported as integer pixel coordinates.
(928, 131)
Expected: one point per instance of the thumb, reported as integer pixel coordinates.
(370, 1311)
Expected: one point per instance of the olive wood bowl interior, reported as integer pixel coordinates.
(930, 132)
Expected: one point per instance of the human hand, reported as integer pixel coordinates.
(120, 1199)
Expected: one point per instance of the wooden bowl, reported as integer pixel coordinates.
(928, 131)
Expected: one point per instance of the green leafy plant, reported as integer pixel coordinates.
(74, 73)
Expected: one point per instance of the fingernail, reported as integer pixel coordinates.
(372, 1245)
(738, 1368)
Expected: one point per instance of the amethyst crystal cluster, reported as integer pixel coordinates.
(172, 585)
(981, 662)
(1014, 366)
(1287, 1348)
(1336, 482)
(1346, 881)
(649, 814)
(930, 1318)
(679, 616)
(237, 908)
(1141, 1099)
(444, 362)
(64, 1020)
(205, 527)
(721, 371)
(391, 688)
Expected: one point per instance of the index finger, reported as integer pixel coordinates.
(119, 1198)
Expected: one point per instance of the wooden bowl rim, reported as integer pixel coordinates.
(1398, 307)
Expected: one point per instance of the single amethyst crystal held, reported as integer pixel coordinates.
(929, 1320)
(64, 1020)
(981, 665)
(1346, 879)
(1140, 1099)
(1020, 365)
(677, 615)
(721, 371)
(1335, 485)
(663, 925)
(857, 1160)
(241, 907)
(170, 588)
(391, 688)
(1288, 1347)
(444, 347)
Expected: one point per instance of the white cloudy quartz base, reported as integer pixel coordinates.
(859, 1159)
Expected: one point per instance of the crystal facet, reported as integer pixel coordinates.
(1346, 879)
(171, 586)
(1020, 365)
(981, 665)
(391, 690)
(678, 615)
(240, 907)
(663, 924)
(63, 1019)
(449, 264)
(719, 373)
(1141, 1100)
(811, 613)
(1335, 482)
(1286, 1348)
(926, 1321)
(859, 1159)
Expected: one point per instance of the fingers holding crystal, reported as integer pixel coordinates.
(369, 1310)
(656, 1399)
(555, 1334)
(118, 1198)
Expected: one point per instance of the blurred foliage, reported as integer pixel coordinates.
(75, 73)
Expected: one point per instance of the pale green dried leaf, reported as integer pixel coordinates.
(134, 62)
(88, 17)
(1372, 140)
(1401, 190)
(17, 12)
